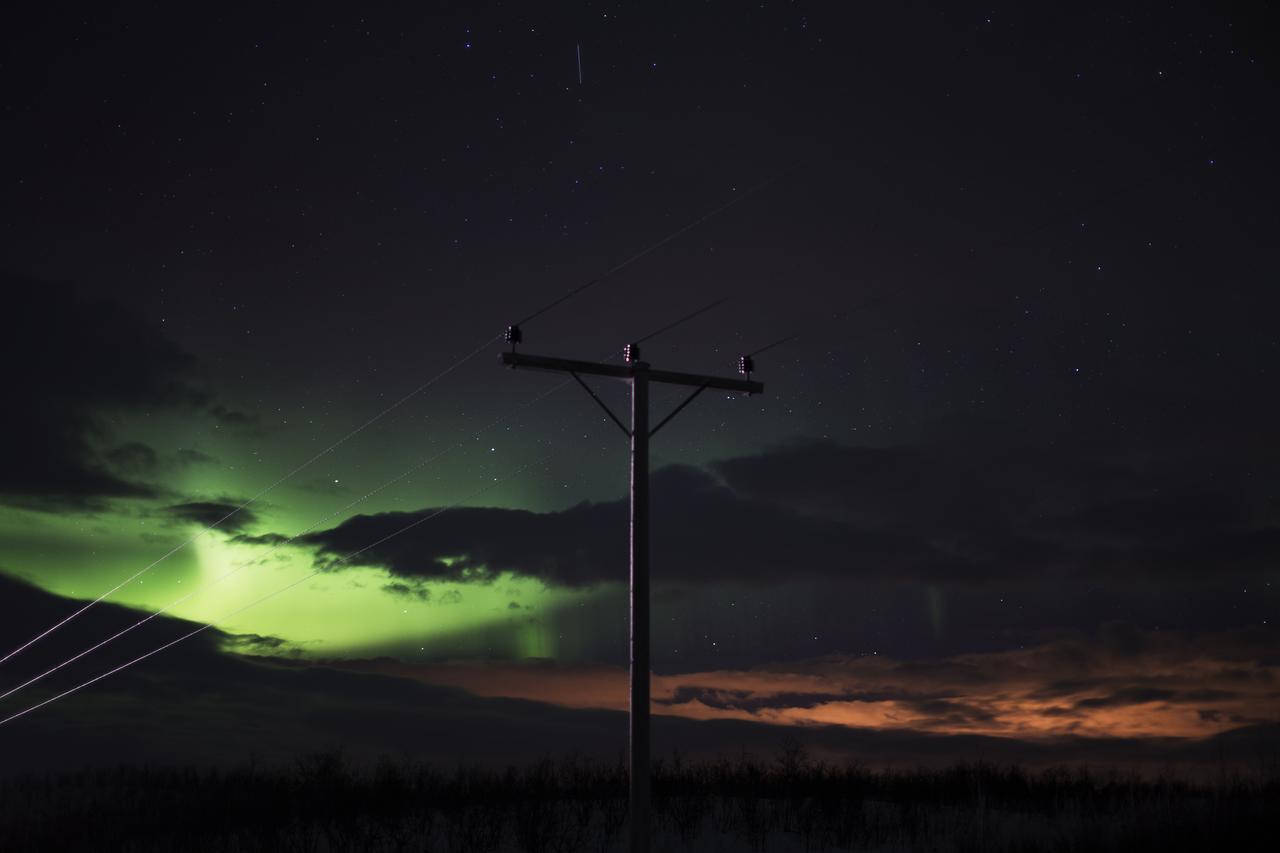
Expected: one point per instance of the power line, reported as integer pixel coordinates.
(788, 339)
(280, 544)
(652, 247)
(57, 625)
(394, 406)
(206, 626)
(251, 500)
(862, 306)
(655, 246)
(365, 497)
(704, 309)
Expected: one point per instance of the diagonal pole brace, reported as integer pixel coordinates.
(607, 410)
(676, 411)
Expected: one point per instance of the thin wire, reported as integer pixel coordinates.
(788, 339)
(401, 476)
(251, 500)
(281, 543)
(574, 292)
(665, 240)
(704, 309)
(839, 316)
(266, 597)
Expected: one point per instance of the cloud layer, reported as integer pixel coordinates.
(199, 703)
(77, 361)
(1118, 682)
(924, 512)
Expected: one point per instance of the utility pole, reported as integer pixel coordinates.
(639, 375)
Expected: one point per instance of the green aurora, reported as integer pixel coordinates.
(209, 574)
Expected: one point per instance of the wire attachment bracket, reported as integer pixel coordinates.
(602, 404)
(687, 400)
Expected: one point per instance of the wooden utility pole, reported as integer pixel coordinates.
(639, 375)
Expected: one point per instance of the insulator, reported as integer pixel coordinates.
(631, 353)
(514, 335)
(746, 365)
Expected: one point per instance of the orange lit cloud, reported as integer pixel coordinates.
(1120, 683)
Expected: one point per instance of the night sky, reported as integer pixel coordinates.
(1012, 487)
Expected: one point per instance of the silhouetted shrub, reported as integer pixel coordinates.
(322, 804)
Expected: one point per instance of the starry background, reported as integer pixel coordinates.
(1014, 477)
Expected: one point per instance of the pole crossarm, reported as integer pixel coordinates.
(627, 371)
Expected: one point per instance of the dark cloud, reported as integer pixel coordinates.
(1128, 696)
(255, 644)
(995, 505)
(407, 590)
(232, 417)
(1141, 695)
(75, 362)
(873, 486)
(747, 700)
(264, 539)
(229, 516)
(822, 510)
(950, 713)
(133, 457)
(698, 528)
(189, 456)
(241, 423)
(142, 464)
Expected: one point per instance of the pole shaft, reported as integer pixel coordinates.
(639, 745)
(639, 375)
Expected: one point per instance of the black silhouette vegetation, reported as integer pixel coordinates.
(790, 803)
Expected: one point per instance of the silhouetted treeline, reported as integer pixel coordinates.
(788, 803)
